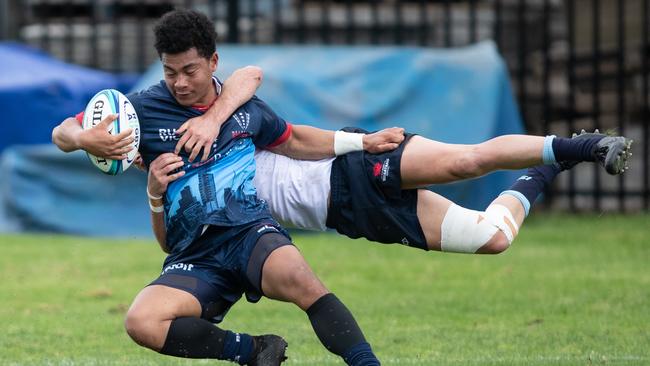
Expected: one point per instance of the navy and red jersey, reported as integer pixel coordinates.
(220, 190)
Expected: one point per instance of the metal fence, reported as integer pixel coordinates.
(574, 63)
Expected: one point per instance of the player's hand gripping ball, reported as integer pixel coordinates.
(103, 104)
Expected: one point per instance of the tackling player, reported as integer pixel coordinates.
(380, 196)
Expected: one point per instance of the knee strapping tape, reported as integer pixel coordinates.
(465, 231)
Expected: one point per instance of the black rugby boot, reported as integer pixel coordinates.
(611, 152)
(269, 351)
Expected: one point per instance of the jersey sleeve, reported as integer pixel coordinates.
(80, 117)
(272, 130)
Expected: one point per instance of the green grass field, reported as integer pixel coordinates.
(573, 290)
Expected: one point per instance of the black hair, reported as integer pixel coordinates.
(181, 29)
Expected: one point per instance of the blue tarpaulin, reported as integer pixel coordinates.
(453, 95)
(47, 190)
(37, 92)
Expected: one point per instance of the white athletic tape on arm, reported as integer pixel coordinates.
(464, 230)
(156, 209)
(152, 196)
(345, 142)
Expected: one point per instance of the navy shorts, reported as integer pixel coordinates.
(367, 199)
(219, 278)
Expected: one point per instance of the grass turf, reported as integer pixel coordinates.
(573, 290)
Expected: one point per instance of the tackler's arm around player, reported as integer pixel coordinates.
(199, 133)
(70, 136)
(162, 171)
(311, 143)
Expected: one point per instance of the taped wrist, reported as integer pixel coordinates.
(156, 209)
(345, 142)
(152, 207)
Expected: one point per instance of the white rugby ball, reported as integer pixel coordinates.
(103, 104)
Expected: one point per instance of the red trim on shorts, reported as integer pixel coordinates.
(79, 117)
(285, 136)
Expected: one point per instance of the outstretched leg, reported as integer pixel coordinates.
(427, 162)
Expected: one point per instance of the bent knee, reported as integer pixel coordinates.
(301, 288)
(468, 231)
(306, 287)
(142, 328)
(134, 324)
(498, 244)
(286, 276)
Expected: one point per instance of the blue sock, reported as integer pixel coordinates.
(361, 355)
(237, 347)
(565, 149)
(529, 186)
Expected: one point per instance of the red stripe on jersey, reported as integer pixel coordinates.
(204, 108)
(285, 136)
(80, 117)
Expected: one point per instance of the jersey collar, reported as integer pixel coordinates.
(217, 88)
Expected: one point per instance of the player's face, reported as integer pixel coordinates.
(189, 77)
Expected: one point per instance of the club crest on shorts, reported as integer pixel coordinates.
(384, 169)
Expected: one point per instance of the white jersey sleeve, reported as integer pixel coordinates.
(297, 191)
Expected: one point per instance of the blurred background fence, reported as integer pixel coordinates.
(573, 64)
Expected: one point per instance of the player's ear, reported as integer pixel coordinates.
(214, 61)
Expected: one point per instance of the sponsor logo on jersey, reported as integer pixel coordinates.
(240, 134)
(243, 119)
(167, 134)
(201, 163)
(384, 169)
(181, 266)
(525, 177)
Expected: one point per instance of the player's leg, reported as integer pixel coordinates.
(427, 162)
(152, 311)
(464, 230)
(286, 276)
(449, 227)
(169, 320)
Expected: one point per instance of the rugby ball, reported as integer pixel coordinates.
(102, 105)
